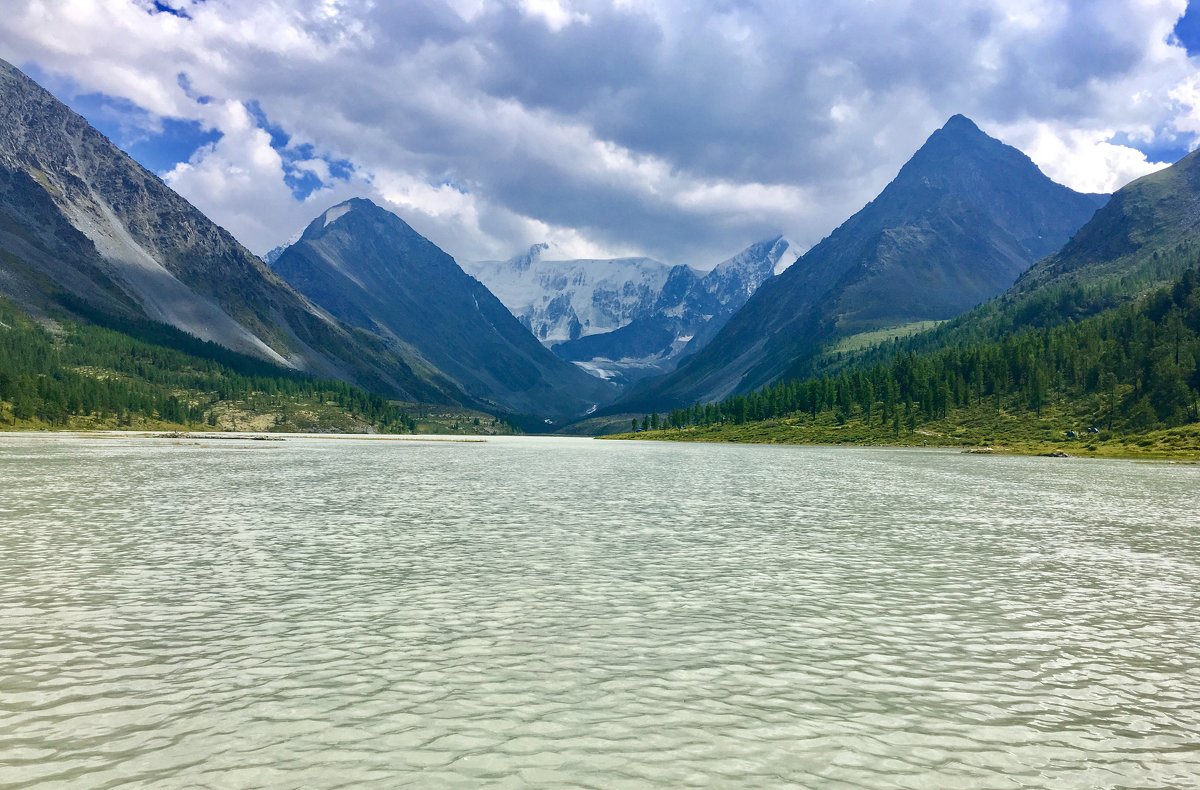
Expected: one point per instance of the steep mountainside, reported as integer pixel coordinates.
(370, 269)
(628, 318)
(81, 221)
(1146, 235)
(959, 223)
(1125, 381)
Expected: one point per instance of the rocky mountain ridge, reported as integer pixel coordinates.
(963, 219)
(371, 270)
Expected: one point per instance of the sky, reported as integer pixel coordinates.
(680, 130)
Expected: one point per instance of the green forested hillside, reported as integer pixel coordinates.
(74, 374)
(1145, 237)
(1129, 370)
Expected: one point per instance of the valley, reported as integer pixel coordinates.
(962, 247)
(599, 394)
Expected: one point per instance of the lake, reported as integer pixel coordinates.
(568, 612)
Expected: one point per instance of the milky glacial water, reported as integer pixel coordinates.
(576, 613)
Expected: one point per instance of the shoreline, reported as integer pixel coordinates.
(1056, 451)
(1187, 457)
(253, 436)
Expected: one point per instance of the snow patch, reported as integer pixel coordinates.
(336, 213)
(789, 256)
(564, 300)
(596, 370)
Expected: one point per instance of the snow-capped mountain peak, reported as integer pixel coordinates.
(561, 300)
(272, 255)
(623, 318)
(742, 274)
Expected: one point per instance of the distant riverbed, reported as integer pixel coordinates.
(320, 612)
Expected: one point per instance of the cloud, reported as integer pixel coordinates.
(614, 127)
(1083, 158)
(243, 174)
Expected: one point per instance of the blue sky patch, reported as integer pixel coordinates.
(157, 144)
(1162, 149)
(1187, 29)
(165, 8)
(302, 182)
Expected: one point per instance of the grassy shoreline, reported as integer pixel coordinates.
(212, 435)
(295, 416)
(1175, 444)
(998, 434)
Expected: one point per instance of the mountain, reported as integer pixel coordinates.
(272, 255)
(963, 219)
(1146, 235)
(563, 300)
(368, 268)
(627, 318)
(1122, 382)
(1094, 351)
(1109, 325)
(85, 228)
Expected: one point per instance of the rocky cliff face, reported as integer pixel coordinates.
(368, 268)
(82, 218)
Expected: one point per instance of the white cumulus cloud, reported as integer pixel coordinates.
(664, 127)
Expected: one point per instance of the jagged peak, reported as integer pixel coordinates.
(526, 259)
(755, 264)
(759, 255)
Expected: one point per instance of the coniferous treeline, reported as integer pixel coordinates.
(1135, 367)
(1044, 307)
(83, 370)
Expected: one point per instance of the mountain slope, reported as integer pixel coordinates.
(63, 373)
(1145, 235)
(1123, 382)
(959, 223)
(367, 267)
(1095, 350)
(78, 217)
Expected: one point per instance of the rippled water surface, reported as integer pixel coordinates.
(545, 612)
